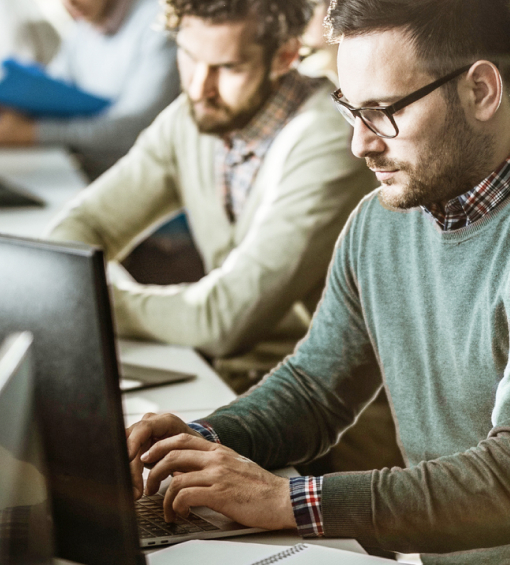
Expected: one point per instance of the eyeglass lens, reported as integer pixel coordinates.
(376, 120)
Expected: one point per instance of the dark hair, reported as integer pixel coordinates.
(279, 20)
(446, 34)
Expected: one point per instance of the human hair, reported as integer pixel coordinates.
(279, 20)
(446, 34)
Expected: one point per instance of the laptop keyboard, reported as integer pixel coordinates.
(151, 523)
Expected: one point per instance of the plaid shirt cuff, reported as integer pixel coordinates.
(305, 495)
(205, 431)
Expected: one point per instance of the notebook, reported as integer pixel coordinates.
(305, 554)
(59, 293)
(247, 553)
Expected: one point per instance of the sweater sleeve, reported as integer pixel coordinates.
(454, 503)
(299, 410)
(116, 210)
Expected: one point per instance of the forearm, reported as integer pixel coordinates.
(454, 503)
(124, 202)
(116, 130)
(105, 133)
(243, 300)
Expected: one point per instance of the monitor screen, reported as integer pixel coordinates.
(26, 535)
(59, 293)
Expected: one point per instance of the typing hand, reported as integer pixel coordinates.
(212, 475)
(142, 435)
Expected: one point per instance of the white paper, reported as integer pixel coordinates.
(239, 553)
(212, 553)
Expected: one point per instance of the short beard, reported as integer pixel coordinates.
(233, 121)
(451, 165)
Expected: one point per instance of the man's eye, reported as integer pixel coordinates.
(232, 67)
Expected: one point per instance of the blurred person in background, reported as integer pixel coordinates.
(25, 32)
(114, 51)
(260, 159)
(319, 56)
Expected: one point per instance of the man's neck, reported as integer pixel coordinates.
(114, 17)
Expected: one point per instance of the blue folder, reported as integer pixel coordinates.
(28, 89)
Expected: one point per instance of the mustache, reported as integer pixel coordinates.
(208, 103)
(381, 163)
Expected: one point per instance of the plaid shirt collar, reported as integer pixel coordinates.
(240, 154)
(467, 208)
(255, 138)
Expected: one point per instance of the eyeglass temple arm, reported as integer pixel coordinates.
(425, 90)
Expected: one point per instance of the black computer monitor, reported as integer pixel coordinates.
(26, 535)
(59, 293)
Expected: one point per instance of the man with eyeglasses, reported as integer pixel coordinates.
(419, 288)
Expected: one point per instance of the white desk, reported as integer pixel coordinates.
(189, 400)
(48, 172)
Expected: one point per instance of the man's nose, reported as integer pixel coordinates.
(365, 141)
(203, 82)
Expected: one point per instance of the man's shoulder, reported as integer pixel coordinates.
(317, 114)
(320, 96)
(174, 127)
(177, 116)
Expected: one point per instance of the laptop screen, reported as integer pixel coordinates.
(59, 293)
(25, 519)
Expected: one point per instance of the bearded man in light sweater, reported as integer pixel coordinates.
(419, 287)
(260, 159)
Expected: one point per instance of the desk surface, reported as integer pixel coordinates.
(189, 400)
(51, 174)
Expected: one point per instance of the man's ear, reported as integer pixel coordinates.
(284, 58)
(484, 90)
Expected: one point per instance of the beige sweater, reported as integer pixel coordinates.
(260, 271)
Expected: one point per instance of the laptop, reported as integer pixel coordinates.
(26, 535)
(12, 196)
(59, 293)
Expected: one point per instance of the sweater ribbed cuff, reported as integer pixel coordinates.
(347, 507)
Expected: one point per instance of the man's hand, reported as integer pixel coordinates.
(142, 435)
(212, 475)
(16, 129)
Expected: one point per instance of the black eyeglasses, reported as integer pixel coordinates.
(379, 119)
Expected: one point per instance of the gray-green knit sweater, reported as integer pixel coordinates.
(429, 311)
